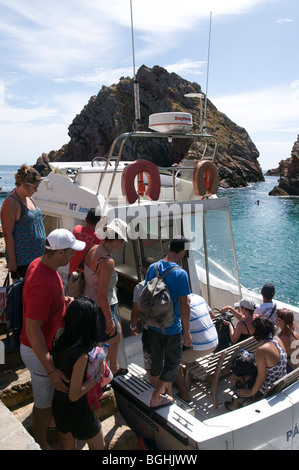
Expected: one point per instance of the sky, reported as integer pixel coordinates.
(56, 54)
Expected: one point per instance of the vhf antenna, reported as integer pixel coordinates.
(136, 83)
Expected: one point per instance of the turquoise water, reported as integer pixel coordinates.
(266, 235)
(266, 238)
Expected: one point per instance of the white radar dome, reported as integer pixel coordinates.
(170, 122)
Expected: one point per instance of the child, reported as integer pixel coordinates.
(73, 416)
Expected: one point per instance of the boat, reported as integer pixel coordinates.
(157, 204)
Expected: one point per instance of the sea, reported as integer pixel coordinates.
(266, 235)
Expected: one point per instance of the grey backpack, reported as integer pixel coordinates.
(155, 305)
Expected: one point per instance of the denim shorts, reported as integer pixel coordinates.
(166, 352)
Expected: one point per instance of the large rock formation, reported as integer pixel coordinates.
(289, 175)
(111, 113)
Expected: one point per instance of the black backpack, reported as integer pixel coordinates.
(224, 340)
(13, 307)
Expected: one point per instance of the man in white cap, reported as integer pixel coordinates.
(44, 305)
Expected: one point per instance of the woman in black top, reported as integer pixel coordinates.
(245, 316)
(73, 416)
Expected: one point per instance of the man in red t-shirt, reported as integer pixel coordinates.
(44, 305)
(86, 234)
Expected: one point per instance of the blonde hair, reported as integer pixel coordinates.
(27, 175)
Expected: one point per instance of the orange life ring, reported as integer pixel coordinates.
(205, 178)
(129, 174)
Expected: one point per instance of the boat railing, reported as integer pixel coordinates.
(174, 170)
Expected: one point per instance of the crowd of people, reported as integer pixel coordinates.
(59, 331)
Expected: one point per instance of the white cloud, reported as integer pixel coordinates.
(270, 109)
(25, 142)
(2, 92)
(284, 20)
(53, 37)
(186, 67)
(98, 77)
(270, 116)
(10, 114)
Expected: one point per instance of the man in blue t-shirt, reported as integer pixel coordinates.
(166, 345)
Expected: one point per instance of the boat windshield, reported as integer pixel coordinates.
(211, 264)
(214, 257)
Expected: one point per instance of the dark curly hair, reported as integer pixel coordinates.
(263, 328)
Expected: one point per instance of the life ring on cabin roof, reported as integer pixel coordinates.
(205, 178)
(128, 177)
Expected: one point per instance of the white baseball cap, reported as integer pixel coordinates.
(246, 303)
(61, 239)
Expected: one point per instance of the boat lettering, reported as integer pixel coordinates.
(73, 207)
(145, 418)
(292, 433)
(83, 209)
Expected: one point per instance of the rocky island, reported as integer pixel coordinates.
(111, 113)
(288, 172)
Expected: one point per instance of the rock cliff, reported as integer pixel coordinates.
(111, 113)
(288, 171)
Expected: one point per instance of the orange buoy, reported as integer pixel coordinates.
(129, 174)
(205, 178)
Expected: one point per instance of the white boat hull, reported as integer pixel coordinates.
(65, 197)
(270, 424)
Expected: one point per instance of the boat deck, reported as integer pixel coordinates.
(201, 405)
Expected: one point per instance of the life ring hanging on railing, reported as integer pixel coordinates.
(205, 178)
(128, 177)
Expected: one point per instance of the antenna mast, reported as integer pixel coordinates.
(136, 83)
(206, 99)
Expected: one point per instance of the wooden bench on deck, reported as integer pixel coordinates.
(276, 387)
(210, 368)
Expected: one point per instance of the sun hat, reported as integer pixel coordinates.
(61, 239)
(246, 303)
(114, 226)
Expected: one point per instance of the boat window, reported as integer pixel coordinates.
(155, 234)
(50, 223)
(213, 253)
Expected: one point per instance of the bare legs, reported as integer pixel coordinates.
(39, 422)
(68, 442)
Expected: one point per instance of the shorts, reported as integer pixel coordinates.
(42, 387)
(147, 359)
(166, 351)
(190, 354)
